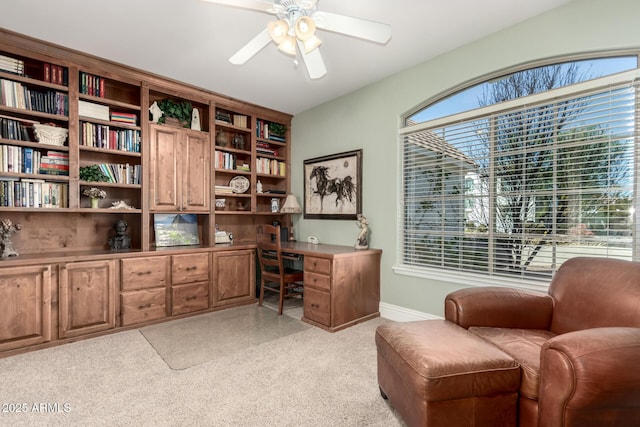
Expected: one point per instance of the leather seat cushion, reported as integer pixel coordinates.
(446, 361)
(524, 345)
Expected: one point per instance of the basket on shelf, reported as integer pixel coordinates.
(47, 134)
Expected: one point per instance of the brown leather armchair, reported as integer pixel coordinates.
(578, 346)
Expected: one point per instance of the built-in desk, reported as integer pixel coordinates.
(341, 284)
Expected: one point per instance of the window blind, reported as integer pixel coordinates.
(517, 188)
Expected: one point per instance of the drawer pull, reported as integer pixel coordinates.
(315, 306)
(143, 273)
(191, 298)
(191, 268)
(142, 307)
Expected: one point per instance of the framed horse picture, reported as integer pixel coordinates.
(333, 186)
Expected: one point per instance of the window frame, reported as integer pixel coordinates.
(480, 279)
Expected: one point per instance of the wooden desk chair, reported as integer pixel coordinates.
(274, 276)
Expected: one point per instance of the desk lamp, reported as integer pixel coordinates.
(291, 206)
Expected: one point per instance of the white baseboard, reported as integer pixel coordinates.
(403, 314)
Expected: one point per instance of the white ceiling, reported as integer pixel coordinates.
(192, 40)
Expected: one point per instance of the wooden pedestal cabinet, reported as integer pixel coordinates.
(25, 318)
(189, 283)
(234, 277)
(179, 176)
(143, 289)
(87, 297)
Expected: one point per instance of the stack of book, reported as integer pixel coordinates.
(92, 110)
(54, 163)
(121, 173)
(223, 189)
(11, 65)
(16, 95)
(91, 84)
(16, 128)
(56, 74)
(265, 148)
(128, 118)
(33, 193)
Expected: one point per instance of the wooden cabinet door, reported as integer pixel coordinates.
(196, 196)
(87, 297)
(25, 306)
(234, 277)
(165, 171)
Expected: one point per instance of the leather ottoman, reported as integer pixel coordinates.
(435, 373)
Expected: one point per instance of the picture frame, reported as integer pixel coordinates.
(333, 186)
(176, 229)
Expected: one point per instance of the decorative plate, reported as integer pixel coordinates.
(239, 184)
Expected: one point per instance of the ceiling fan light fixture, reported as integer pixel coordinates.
(305, 28)
(311, 43)
(278, 30)
(288, 45)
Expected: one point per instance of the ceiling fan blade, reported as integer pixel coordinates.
(254, 46)
(262, 6)
(313, 62)
(355, 27)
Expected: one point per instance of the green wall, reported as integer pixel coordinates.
(369, 119)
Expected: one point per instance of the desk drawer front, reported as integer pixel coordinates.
(317, 306)
(188, 298)
(317, 281)
(317, 265)
(144, 305)
(141, 273)
(190, 268)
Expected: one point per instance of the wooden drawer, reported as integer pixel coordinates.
(317, 265)
(143, 305)
(190, 268)
(142, 273)
(317, 281)
(317, 306)
(188, 298)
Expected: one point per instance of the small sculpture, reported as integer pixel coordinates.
(121, 240)
(156, 112)
(120, 204)
(363, 236)
(7, 228)
(195, 119)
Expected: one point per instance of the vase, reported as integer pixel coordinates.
(94, 202)
(222, 139)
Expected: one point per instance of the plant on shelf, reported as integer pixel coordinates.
(92, 173)
(180, 110)
(277, 129)
(94, 194)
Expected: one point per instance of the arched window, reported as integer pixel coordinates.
(512, 176)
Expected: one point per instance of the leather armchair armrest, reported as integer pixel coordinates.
(499, 307)
(591, 377)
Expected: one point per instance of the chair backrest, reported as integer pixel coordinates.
(595, 292)
(269, 251)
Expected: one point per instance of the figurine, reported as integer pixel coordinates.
(120, 204)
(195, 119)
(363, 241)
(7, 228)
(259, 187)
(121, 240)
(156, 112)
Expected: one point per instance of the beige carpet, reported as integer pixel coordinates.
(308, 378)
(188, 342)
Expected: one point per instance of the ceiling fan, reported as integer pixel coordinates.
(296, 27)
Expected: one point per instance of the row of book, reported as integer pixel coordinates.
(20, 129)
(263, 131)
(33, 193)
(29, 160)
(128, 118)
(56, 74)
(90, 84)
(224, 160)
(16, 95)
(121, 173)
(271, 166)
(103, 136)
(11, 65)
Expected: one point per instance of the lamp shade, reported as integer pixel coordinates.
(288, 45)
(305, 28)
(278, 30)
(291, 205)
